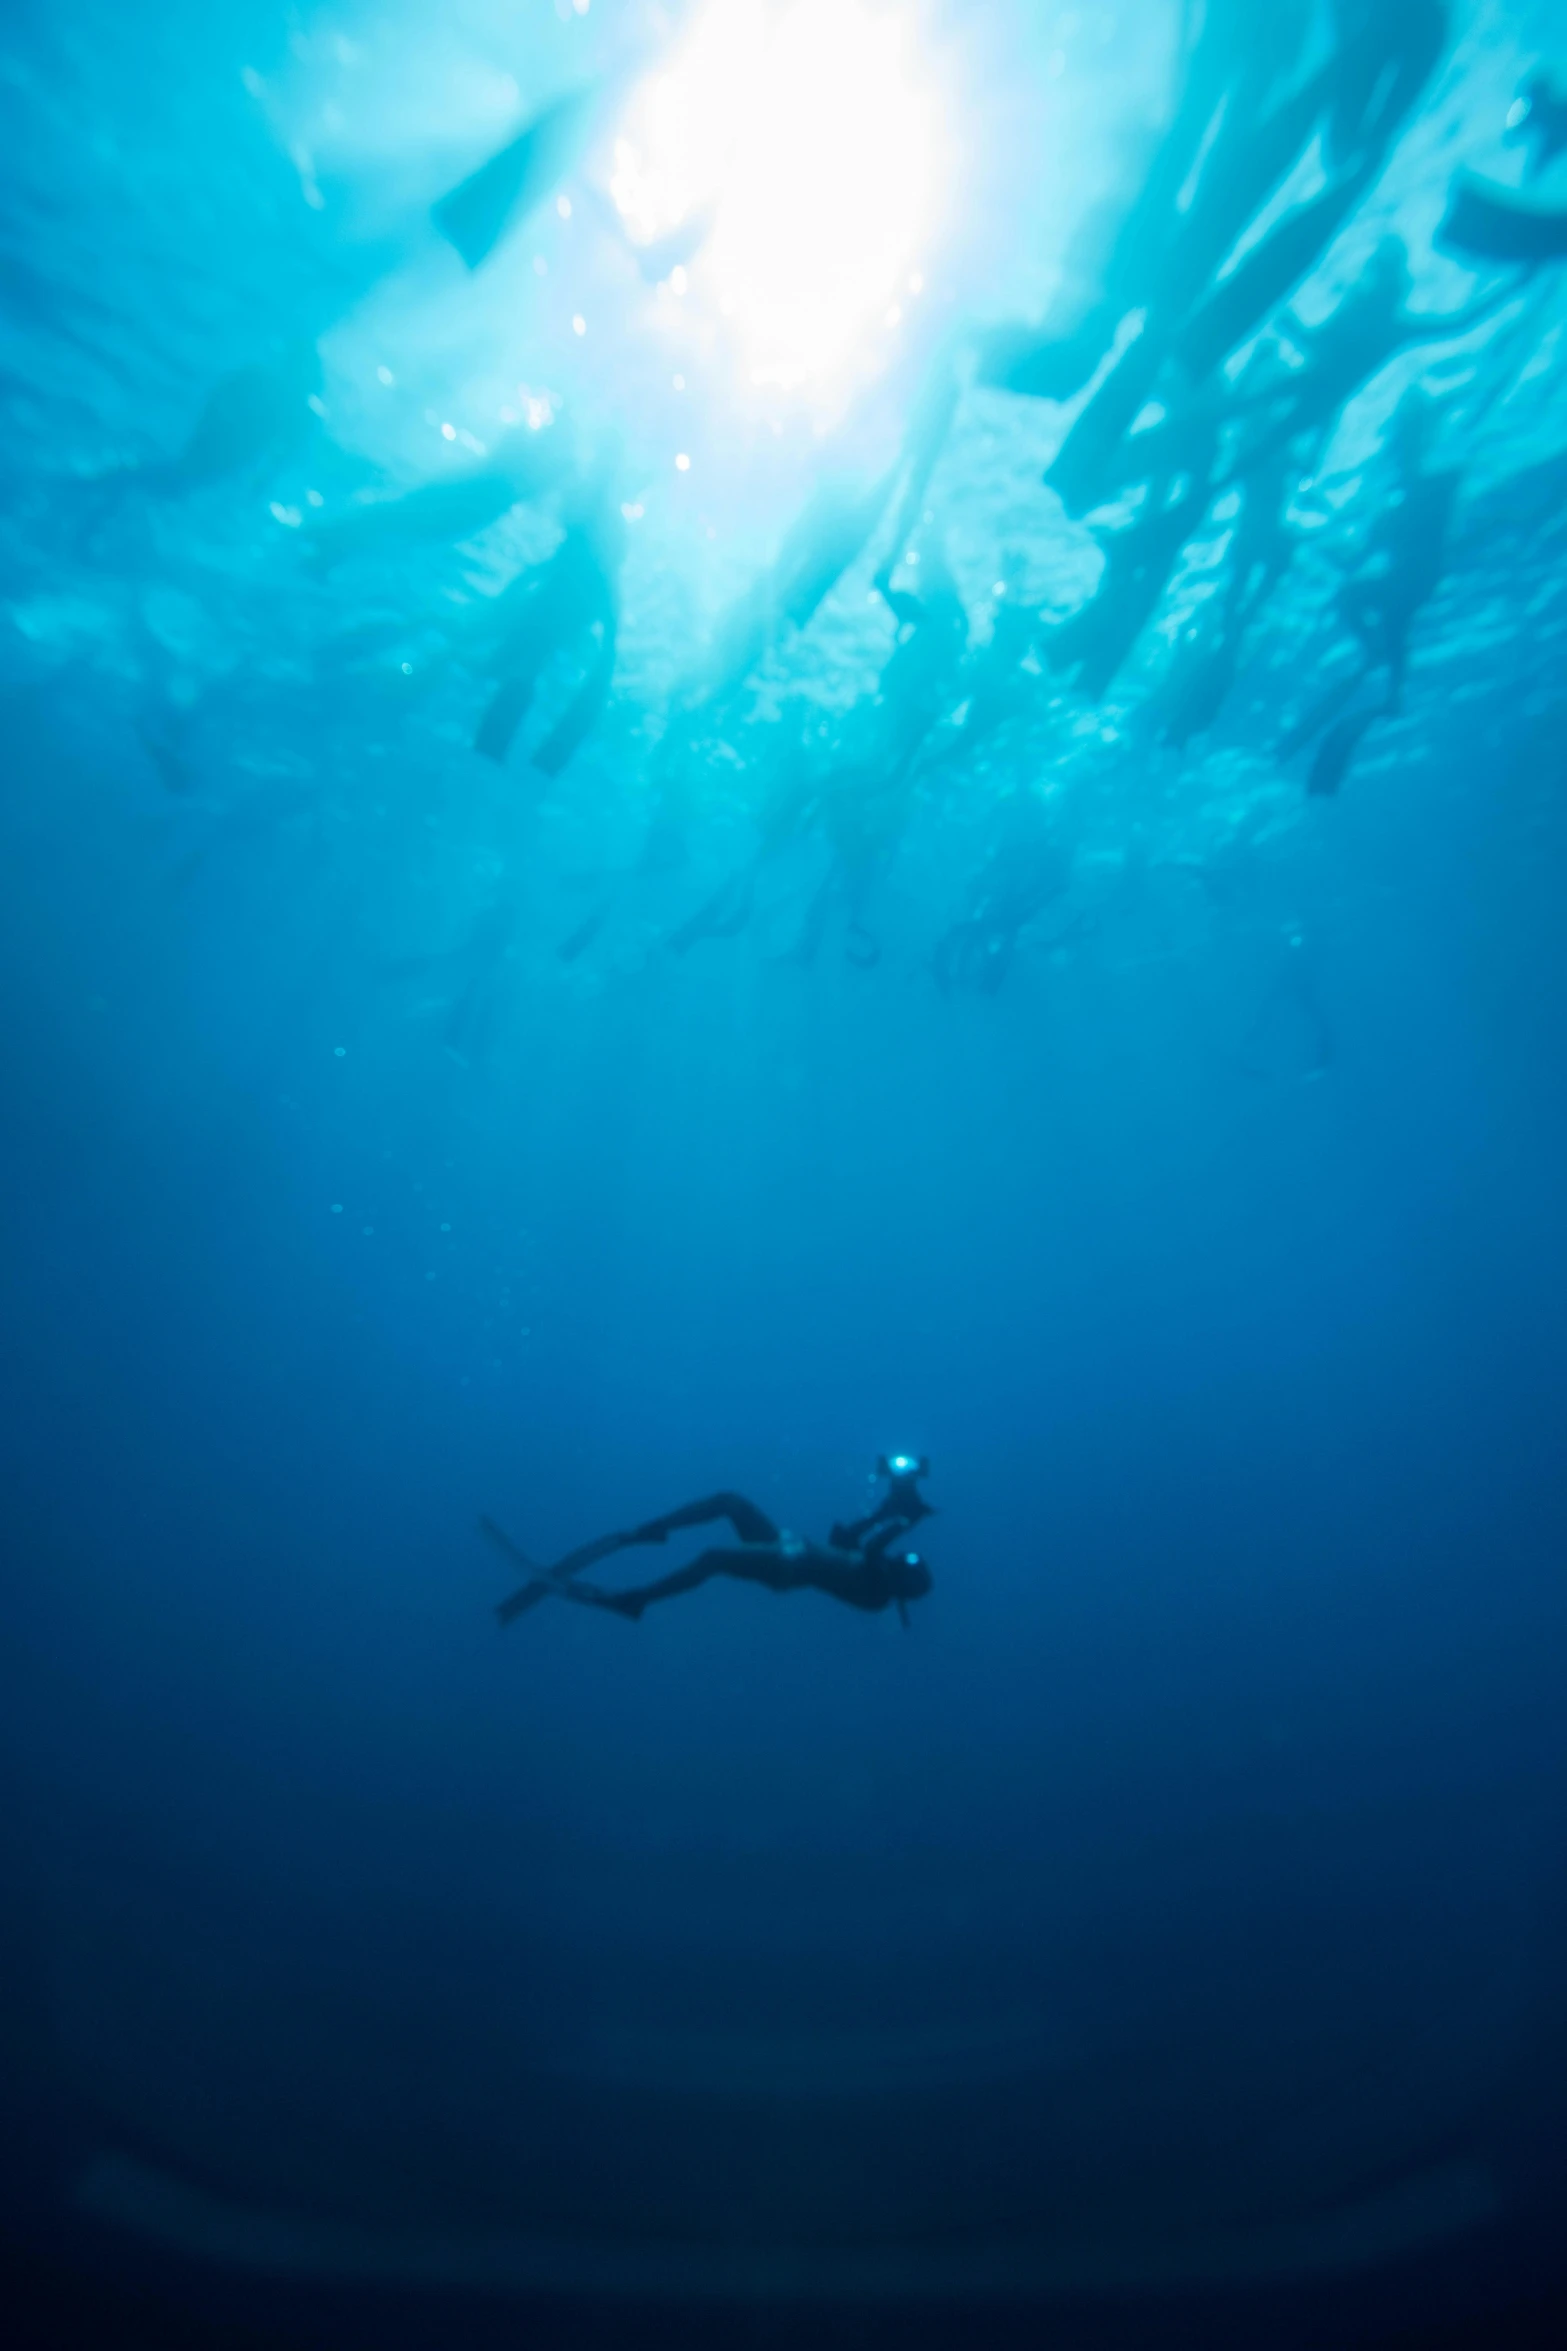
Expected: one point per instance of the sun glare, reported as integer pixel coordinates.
(800, 131)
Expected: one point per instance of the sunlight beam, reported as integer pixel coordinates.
(802, 128)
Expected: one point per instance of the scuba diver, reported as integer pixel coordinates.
(867, 1575)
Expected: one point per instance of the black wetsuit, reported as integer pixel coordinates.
(866, 1576)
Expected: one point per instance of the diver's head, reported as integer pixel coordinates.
(903, 1465)
(910, 1577)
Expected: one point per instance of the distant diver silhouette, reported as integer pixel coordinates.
(867, 1574)
(571, 602)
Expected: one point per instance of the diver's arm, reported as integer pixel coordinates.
(750, 1524)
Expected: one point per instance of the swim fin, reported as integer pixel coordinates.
(545, 1583)
(508, 706)
(476, 214)
(527, 1595)
(1488, 225)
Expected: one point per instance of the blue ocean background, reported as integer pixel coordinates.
(1164, 1937)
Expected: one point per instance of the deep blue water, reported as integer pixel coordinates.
(1163, 1937)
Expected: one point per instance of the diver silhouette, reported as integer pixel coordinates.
(863, 1573)
(570, 601)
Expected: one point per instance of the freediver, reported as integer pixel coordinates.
(863, 805)
(869, 1575)
(253, 414)
(1386, 52)
(571, 599)
(1262, 547)
(1391, 578)
(916, 683)
(1140, 562)
(1240, 55)
(790, 789)
(1406, 549)
(1006, 679)
(1356, 101)
(250, 418)
(1019, 879)
(831, 533)
(527, 466)
(819, 546)
(1366, 329)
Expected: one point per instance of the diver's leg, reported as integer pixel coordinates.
(631, 1603)
(749, 1523)
(507, 709)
